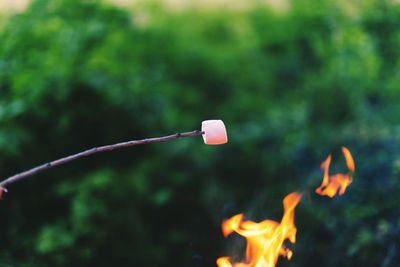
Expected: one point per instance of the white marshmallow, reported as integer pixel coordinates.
(214, 132)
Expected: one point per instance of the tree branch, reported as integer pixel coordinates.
(20, 176)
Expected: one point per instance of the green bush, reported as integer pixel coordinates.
(292, 86)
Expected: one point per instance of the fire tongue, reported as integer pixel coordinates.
(264, 239)
(331, 185)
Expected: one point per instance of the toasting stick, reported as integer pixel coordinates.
(213, 132)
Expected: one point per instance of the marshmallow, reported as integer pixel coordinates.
(214, 132)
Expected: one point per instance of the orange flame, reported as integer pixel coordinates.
(264, 239)
(331, 185)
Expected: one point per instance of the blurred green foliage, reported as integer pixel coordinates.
(291, 85)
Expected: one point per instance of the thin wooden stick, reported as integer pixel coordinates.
(20, 176)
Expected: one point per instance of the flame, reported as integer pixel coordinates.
(264, 239)
(333, 184)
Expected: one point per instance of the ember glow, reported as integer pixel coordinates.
(331, 185)
(265, 240)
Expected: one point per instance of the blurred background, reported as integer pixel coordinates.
(293, 80)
